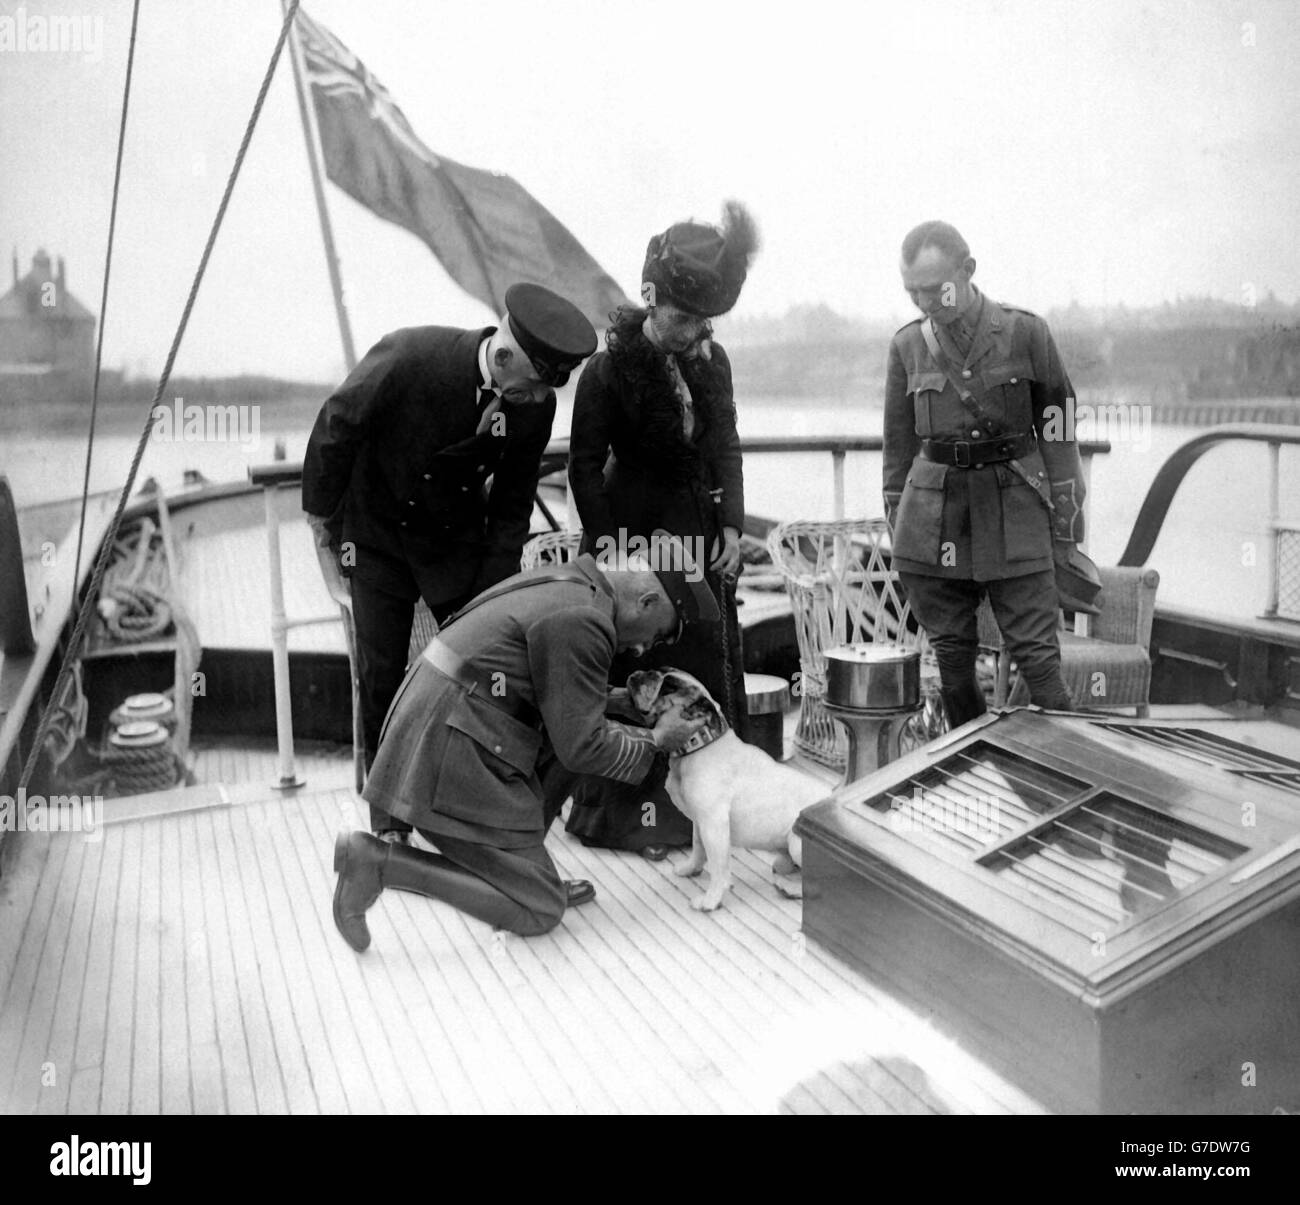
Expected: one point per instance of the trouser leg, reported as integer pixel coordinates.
(514, 889)
(383, 628)
(945, 608)
(1026, 609)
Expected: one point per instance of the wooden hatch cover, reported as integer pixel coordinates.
(1109, 913)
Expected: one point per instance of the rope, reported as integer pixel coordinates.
(101, 561)
(135, 771)
(138, 614)
(134, 600)
(103, 295)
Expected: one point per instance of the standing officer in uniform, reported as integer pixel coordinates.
(493, 721)
(393, 480)
(982, 491)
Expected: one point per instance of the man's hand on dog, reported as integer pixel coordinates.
(672, 732)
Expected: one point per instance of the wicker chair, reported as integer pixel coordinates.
(550, 548)
(843, 592)
(1117, 647)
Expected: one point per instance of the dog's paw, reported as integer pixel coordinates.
(791, 888)
(687, 870)
(706, 903)
(783, 863)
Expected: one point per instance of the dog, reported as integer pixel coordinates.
(734, 793)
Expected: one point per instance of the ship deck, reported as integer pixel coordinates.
(186, 962)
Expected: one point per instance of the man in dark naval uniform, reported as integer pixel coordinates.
(506, 705)
(394, 475)
(983, 488)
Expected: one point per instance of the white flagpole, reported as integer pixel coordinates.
(311, 134)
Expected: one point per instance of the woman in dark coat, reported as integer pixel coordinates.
(654, 447)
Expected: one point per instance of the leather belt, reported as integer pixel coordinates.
(975, 454)
(452, 665)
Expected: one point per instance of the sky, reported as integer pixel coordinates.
(1107, 151)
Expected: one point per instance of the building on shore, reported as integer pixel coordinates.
(47, 338)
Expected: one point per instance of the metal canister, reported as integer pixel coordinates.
(768, 696)
(873, 677)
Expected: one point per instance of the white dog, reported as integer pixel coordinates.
(734, 793)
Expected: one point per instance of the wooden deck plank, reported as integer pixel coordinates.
(311, 1079)
(314, 817)
(220, 936)
(88, 1056)
(498, 1073)
(766, 914)
(698, 933)
(115, 1077)
(673, 991)
(421, 990)
(351, 1002)
(333, 1050)
(685, 985)
(207, 1079)
(580, 1054)
(19, 997)
(173, 1004)
(273, 1091)
(59, 1049)
(239, 1070)
(146, 1040)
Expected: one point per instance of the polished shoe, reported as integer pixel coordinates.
(358, 861)
(578, 891)
(654, 853)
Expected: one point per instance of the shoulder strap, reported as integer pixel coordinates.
(936, 354)
(560, 573)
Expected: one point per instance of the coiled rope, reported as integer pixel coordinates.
(137, 771)
(133, 602)
(106, 548)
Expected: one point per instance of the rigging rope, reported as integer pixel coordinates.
(103, 294)
(106, 548)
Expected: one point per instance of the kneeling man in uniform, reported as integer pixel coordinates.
(491, 724)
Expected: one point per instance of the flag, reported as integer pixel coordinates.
(485, 228)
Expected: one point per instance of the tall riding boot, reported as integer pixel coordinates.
(366, 865)
(962, 703)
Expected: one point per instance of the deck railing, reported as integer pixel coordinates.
(1283, 544)
(281, 473)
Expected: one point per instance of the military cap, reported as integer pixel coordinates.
(701, 268)
(683, 582)
(553, 332)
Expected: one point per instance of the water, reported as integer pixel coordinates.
(1211, 553)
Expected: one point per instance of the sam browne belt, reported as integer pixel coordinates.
(452, 665)
(975, 454)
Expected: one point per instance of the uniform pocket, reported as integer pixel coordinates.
(918, 530)
(511, 746)
(1026, 531)
(925, 387)
(1007, 394)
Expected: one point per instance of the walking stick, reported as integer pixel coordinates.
(726, 599)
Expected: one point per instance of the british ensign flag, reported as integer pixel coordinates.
(485, 228)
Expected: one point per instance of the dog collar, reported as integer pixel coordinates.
(701, 740)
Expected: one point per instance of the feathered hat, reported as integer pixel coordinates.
(701, 268)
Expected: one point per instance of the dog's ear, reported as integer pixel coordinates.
(643, 688)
